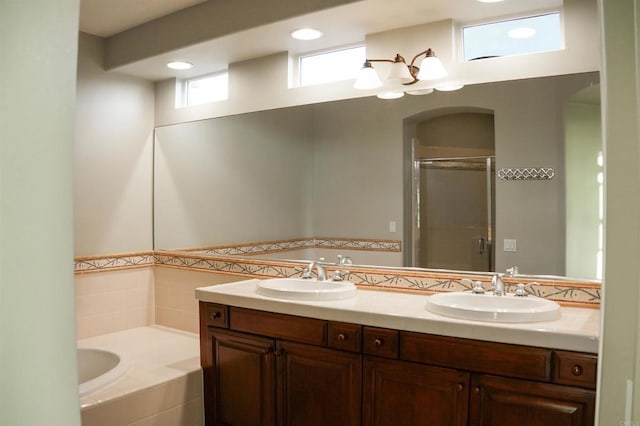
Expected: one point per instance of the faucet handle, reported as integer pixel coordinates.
(521, 291)
(477, 288)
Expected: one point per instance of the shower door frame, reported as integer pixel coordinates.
(415, 190)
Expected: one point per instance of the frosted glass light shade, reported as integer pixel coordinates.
(367, 78)
(399, 74)
(449, 87)
(431, 69)
(390, 95)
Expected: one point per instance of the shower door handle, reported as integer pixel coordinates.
(481, 245)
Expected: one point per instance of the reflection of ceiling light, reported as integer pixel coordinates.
(401, 75)
(179, 65)
(306, 34)
(522, 32)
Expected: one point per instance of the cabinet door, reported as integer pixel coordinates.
(500, 401)
(400, 393)
(239, 380)
(318, 386)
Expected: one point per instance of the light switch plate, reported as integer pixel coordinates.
(510, 245)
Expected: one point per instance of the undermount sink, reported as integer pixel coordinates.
(487, 307)
(306, 289)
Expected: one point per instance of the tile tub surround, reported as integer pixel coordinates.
(114, 300)
(576, 330)
(175, 303)
(163, 386)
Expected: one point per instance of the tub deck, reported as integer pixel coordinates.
(165, 378)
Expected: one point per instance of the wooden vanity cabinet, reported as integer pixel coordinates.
(239, 379)
(400, 393)
(252, 380)
(503, 401)
(264, 368)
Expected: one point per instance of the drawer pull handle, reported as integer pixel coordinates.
(215, 315)
(576, 370)
(378, 342)
(342, 337)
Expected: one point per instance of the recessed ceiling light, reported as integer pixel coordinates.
(306, 34)
(179, 65)
(522, 32)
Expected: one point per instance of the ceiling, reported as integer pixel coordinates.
(341, 25)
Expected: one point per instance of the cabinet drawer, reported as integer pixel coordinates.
(344, 336)
(575, 369)
(215, 315)
(289, 327)
(380, 342)
(472, 355)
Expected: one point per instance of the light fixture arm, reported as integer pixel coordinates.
(413, 69)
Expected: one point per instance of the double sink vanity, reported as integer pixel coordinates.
(289, 351)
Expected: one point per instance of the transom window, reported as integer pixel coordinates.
(210, 88)
(541, 33)
(329, 66)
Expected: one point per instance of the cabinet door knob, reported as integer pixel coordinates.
(342, 336)
(476, 389)
(459, 387)
(576, 370)
(378, 342)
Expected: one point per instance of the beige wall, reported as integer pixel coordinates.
(113, 157)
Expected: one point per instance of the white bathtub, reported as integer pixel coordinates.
(162, 386)
(98, 368)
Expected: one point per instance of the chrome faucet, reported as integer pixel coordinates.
(513, 271)
(498, 286)
(321, 272)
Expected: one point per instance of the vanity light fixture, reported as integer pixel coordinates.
(401, 75)
(179, 65)
(306, 34)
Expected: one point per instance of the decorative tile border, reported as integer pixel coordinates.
(576, 293)
(579, 293)
(113, 262)
(359, 244)
(263, 247)
(248, 249)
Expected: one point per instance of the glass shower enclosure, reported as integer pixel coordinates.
(454, 213)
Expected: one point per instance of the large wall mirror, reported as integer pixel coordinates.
(341, 178)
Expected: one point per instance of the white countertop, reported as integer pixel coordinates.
(576, 330)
